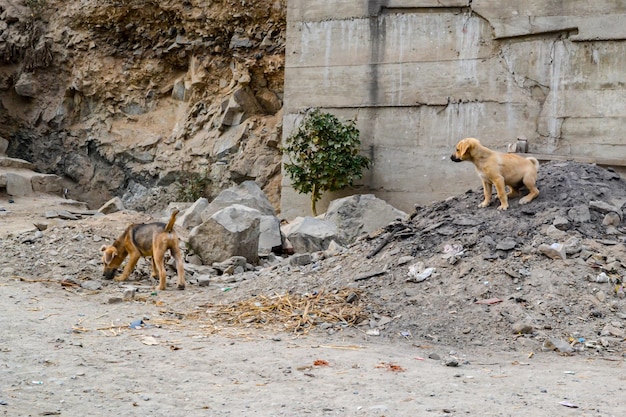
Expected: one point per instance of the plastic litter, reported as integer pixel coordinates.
(136, 324)
(417, 272)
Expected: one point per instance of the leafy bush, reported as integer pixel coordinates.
(192, 185)
(324, 155)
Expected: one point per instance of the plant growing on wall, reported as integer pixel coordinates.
(324, 155)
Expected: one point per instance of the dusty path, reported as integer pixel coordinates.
(68, 353)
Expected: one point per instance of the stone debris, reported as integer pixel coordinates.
(500, 290)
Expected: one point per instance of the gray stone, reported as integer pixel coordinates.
(309, 234)
(27, 85)
(522, 328)
(360, 214)
(204, 280)
(4, 144)
(248, 193)
(231, 231)
(579, 214)
(91, 285)
(192, 216)
(611, 219)
(506, 244)
(300, 259)
(270, 236)
(603, 207)
(112, 206)
(228, 142)
(18, 185)
(561, 223)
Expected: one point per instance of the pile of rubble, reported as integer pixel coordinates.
(547, 275)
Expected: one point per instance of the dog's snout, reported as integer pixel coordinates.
(108, 273)
(454, 158)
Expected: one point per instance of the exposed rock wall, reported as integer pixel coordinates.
(118, 96)
(418, 75)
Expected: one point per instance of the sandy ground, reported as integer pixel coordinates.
(73, 354)
(70, 351)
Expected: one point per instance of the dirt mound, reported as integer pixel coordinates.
(451, 273)
(494, 279)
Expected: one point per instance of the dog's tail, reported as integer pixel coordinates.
(170, 224)
(534, 161)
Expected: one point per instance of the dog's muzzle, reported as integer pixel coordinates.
(108, 273)
(455, 159)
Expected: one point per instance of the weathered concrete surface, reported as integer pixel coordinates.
(420, 75)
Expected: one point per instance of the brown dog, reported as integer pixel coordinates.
(145, 239)
(499, 169)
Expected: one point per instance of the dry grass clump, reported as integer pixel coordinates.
(294, 312)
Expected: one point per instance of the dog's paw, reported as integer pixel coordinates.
(180, 286)
(483, 204)
(503, 208)
(524, 200)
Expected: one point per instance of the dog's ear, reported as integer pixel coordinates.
(109, 254)
(464, 147)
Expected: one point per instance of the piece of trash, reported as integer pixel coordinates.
(150, 341)
(390, 367)
(225, 289)
(417, 272)
(136, 324)
(2, 402)
(321, 362)
(373, 332)
(37, 382)
(489, 301)
(406, 334)
(454, 249)
(569, 373)
(601, 278)
(568, 404)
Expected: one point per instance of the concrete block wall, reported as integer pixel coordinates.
(418, 75)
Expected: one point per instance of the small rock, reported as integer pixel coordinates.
(522, 328)
(506, 244)
(554, 251)
(91, 285)
(405, 260)
(115, 300)
(452, 363)
(300, 259)
(434, 356)
(129, 294)
(611, 219)
(204, 280)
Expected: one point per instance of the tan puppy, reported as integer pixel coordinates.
(499, 169)
(145, 239)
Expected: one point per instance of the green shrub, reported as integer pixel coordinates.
(192, 185)
(324, 155)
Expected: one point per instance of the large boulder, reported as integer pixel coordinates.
(232, 231)
(359, 214)
(270, 236)
(192, 216)
(248, 193)
(310, 234)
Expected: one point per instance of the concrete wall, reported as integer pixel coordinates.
(420, 75)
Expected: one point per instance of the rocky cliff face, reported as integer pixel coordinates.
(122, 97)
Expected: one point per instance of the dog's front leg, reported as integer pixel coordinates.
(487, 192)
(132, 261)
